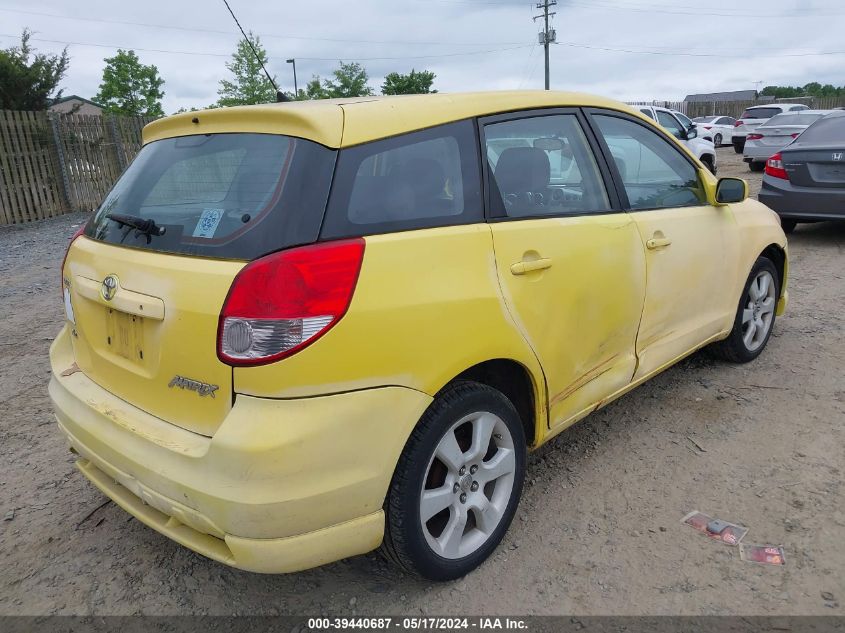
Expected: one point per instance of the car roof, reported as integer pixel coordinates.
(347, 122)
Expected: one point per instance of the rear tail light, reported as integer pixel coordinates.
(795, 134)
(737, 123)
(283, 302)
(753, 137)
(708, 127)
(79, 232)
(774, 167)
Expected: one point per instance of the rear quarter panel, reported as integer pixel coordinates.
(427, 306)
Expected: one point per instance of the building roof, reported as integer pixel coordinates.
(346, 122)
(736, 95)
(74, 98)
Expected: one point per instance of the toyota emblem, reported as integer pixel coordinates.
(109, 287)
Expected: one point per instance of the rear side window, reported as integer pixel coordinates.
(230, 196)
(760, 113)
(647, 112)
(413, 181)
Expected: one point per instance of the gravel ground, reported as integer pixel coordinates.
(598, 530)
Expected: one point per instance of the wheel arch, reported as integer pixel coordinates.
(777, 255)
(517, 383)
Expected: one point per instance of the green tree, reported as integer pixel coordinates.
(29, 80)
(410, 84)
(350, 80)
(248, 85)
(130, 87)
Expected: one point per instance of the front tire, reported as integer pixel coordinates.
(755, 315)
(457, 484)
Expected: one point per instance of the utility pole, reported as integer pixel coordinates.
(547, 36)
(295, 87)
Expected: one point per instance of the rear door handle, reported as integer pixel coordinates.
(520, 268)
(658, 242)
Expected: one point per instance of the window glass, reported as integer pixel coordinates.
(793, 118)
(829, 129)
(799, 107)
(233, 196)
(760, 113)
(684, 119)
(647, 112)
(726, 120)
(670, 123)
(416, 180)
(542, 166)
(705, 119)
(654, 173)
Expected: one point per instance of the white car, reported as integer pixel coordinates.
(718, 129)
(684, 129)
(775, 134)
(755, 116)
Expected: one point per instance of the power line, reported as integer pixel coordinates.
(264, 35)
(203, 54)
(683, 54)
(654, 9)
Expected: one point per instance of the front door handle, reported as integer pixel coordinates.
(658, 242)
(520, 268)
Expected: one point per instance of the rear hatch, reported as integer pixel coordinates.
(149, 277)
(817, 157)
(778, 136)
(753, 118)
(815, 167)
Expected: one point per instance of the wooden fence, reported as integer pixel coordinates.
(735, 108)
(56, 163)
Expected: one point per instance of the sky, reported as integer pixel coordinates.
(624, 49)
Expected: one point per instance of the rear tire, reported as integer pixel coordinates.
(756, 166)
(717, 140)
(755, 315)
(739, 147)
(457, 484)
(788, 226)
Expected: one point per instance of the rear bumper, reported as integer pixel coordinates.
(802, 203)
(758, 153)
(283, 485)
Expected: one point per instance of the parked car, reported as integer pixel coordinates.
(296, 332)
(805, 181)
(682, 128)
(755, 116)
(775, 134)
(718, 129)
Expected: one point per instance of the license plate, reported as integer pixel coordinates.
(125, 334)
(833, 172)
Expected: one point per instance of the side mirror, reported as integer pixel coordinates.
(730, 190)
(692, 132)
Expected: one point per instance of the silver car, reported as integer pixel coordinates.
(775, 134)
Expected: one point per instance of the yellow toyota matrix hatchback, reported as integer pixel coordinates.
(297, 332)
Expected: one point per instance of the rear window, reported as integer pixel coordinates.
(412, 181)
(830, 129)
(231, 196)
(760, 113)
(704, 119)
(793, 119)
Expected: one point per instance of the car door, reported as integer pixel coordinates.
(691, 246)
(571, 264)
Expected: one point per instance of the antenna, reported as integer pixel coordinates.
(280, 96)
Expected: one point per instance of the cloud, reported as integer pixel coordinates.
(695, 52)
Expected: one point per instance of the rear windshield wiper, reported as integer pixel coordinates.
(146, 227)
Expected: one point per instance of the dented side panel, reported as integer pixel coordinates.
(581, 314)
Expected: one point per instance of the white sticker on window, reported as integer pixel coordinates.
(207, 224)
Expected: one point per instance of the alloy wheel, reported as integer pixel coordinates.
(758, 314)
(468, 485)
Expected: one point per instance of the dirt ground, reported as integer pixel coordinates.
(598, 530)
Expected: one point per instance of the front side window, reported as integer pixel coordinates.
(683, 119)
(655, 174)
(416, 180)
(670, 123)
(542, 166)
(647, 112)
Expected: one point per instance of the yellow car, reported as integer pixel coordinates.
(298, 332)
